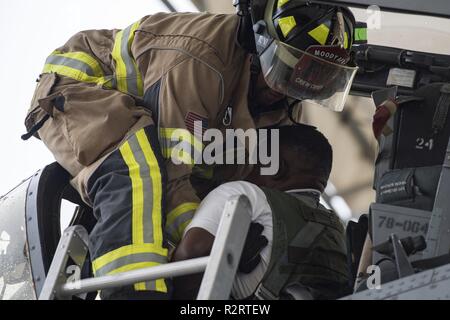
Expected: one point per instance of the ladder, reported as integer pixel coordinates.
(219, 267)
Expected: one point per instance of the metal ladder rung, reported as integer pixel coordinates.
(220, 267)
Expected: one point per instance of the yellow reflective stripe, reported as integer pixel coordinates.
(282, 3)
(346, 40)
(138, 246)
(166, 152)
(180, 210)
(140, 286)
(287, 24)
(140, 84)
(179, 135)
(126, 251)
(121, 69)
(75, 74)
(320, 34)
(137, 193)
(83, 57)
(171, 141)
(122, 56)
(179, 218)
(183, 226)
(155, 175)
(160, 283)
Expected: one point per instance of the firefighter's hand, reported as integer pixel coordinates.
(382, 115)
(254, 244)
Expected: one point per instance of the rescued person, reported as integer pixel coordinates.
(305, 255)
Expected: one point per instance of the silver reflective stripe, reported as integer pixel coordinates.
(72, 63)
(172, 229)
(111, 82)
(150, 286)
(128, 260)
(147, 186)
(129, 63)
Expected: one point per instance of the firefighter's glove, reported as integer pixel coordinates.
(254, 244)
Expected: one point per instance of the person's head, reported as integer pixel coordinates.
(304, 51)
(306, 159)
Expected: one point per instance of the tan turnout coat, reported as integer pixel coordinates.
(189, 65)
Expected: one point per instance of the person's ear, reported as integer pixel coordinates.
(322, 184)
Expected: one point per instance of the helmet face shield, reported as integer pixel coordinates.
(320, 75)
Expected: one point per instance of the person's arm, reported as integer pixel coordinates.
(196, 243)
(199, 237)
(191, 91)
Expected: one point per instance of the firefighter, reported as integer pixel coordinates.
(110, 102)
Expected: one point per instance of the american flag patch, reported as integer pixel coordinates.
(192, 118)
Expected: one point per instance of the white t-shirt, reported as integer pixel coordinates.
(208, 217)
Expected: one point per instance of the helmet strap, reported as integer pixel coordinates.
(255, 70)
(244, 37)
(291, 111)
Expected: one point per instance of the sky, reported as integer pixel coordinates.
(31, 31)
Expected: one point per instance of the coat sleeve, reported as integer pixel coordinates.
(190, 93)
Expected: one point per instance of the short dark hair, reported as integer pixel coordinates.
(314, 150)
